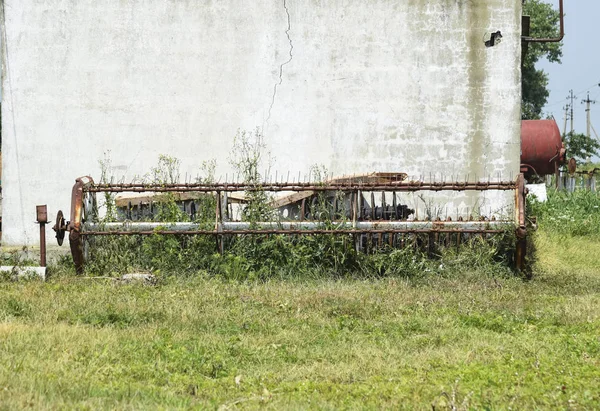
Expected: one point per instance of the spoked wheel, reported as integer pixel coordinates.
(60, 227)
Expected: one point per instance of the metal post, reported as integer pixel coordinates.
(521, 232)
(42, 220)
(218, 221)
(571, 184)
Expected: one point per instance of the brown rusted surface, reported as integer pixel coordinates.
(572, 166)
(521, 231)
(42, 219)
(75, 241)
(541, 147)
(60, 227)
(42, 213)
(74, 227)
(275, 187)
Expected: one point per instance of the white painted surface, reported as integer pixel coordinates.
(382, 85)
(538, 191)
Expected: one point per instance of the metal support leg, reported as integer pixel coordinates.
(42, 220)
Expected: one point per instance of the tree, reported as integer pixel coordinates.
(545, 22)
(580, 146)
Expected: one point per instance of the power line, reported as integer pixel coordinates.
(575, 94)
(589, 88)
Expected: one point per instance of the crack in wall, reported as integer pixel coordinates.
(287, 33)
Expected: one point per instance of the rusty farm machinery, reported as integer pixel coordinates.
(371, 210)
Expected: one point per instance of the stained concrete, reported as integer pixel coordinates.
(352, 85)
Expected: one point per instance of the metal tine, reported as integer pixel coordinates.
(288, 177)
(373, 206)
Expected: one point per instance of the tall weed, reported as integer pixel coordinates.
(269, 256)
(568, 214)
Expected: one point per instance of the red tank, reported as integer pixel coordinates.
(542, 149)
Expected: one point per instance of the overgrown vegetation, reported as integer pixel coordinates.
(276, 256)
(567, 214)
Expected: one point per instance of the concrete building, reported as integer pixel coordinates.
(357, 86)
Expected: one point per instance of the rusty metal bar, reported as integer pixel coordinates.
(521, 231)
(75, 240)
(551, 39)
(42, 220)
(399, 186)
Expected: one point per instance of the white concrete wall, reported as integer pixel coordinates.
(378, 85)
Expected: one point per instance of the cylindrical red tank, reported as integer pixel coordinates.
(541, 147)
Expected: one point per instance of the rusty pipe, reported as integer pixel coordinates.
(551, 39)
(401, 187)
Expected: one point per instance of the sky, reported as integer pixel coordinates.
(580, 68)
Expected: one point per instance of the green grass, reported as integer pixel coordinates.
(469, 338)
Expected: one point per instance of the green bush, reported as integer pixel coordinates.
(570, 214)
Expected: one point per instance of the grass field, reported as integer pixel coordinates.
(468, 334)
(469, 339)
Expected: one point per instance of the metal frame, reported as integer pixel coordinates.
(84, 191)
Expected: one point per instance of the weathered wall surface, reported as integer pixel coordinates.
(356, 86)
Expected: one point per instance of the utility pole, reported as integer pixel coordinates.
(566, 108)
(572, 97)
(588, 114)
